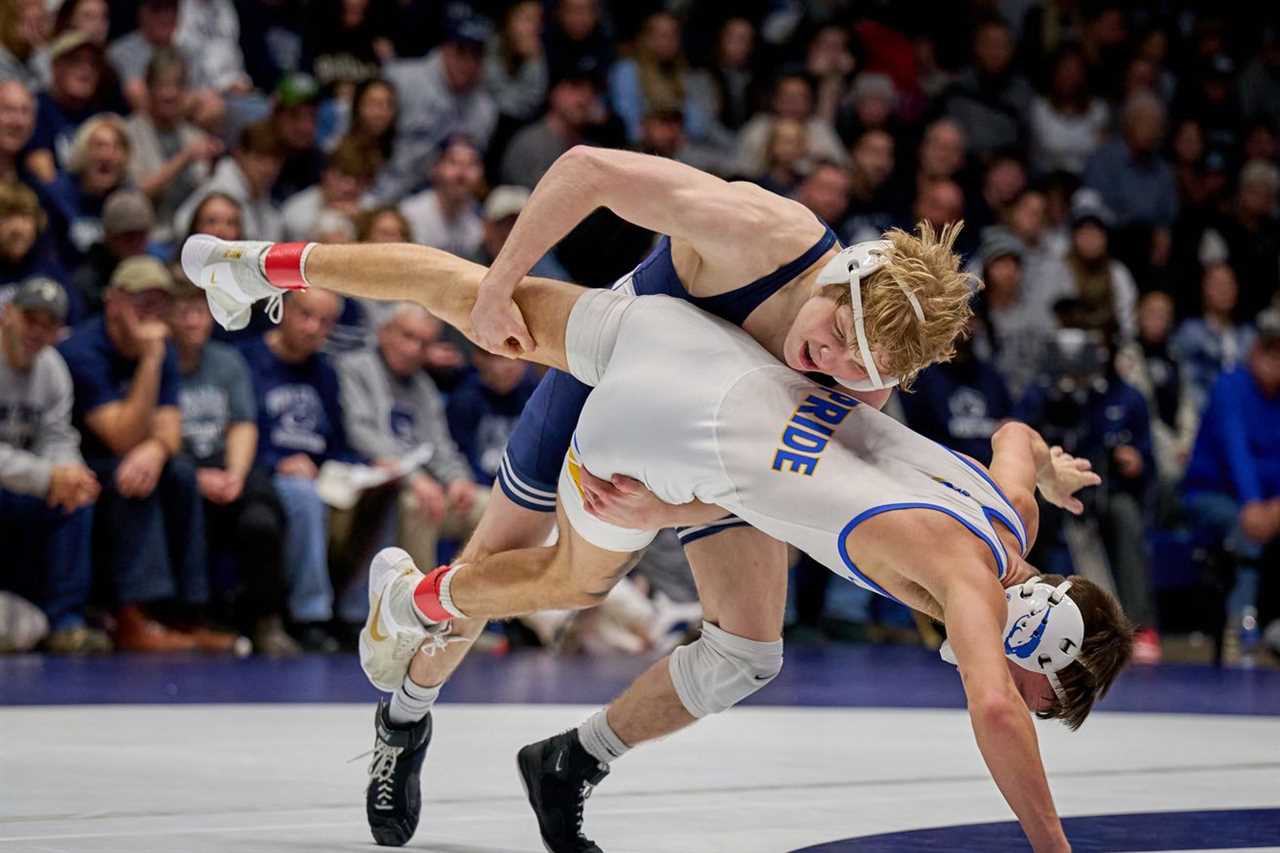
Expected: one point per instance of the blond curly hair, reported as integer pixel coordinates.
(929, 268)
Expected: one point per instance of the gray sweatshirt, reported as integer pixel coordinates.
(35, 423)
(387, 416)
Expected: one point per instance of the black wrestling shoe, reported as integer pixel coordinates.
(558, 775)
(393, 799)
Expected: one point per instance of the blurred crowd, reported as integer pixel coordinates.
(165, 485)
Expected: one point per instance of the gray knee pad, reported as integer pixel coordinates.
(721, 669)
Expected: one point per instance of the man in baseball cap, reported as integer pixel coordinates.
(127, 218)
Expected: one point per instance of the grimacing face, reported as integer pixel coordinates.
(822, 340)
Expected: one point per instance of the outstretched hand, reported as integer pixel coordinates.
(498, 326)
(1064, 475)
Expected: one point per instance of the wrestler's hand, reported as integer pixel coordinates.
(625, 502)
(1064, 475)
(497, 324)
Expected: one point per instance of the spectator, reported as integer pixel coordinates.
(941, 157)
(17, 122)
(1067, 122)
(1208, 94)
(208, 34)
(445, 216)
(872, 102)
(98, 166)
(383, 225)
(1233, 478)
(654, 75)
(960, 403)
(825, 191)
(295, 106)
(46, 491)
(1084, 406)
(392, 408)
(24, 27)
(1103, 285)
(23, 252)
(792, 99)
(829, 62)
(148, 520)
(989, 99)
(347, 176)
(220, 215)
(786, 158)
(501, 208)
(1017, 317)
(1003, 180)
(1212, 343)
(244, 521)
(940, 204)
(300, 426)
(1259, 85)
(170, 158)
(725, 89)
(126, 221)
(441, 96)
(870, 170)
(1197, 188)
(576, 33)
(75, 94)
(515, 64)
(1152, 367)
(572, 103)
(372, 117)
(484, 409)
(246, 176)
(1026, 218)
(1251, 234)
(345, 44)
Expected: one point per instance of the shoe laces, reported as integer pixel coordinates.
(584, 794)
(275, 307)
(438, 639)
(382, 772)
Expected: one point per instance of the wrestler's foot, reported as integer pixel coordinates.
(395, 629)
(234, 274)
(393, 798)
(558, 775)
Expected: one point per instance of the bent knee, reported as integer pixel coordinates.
(720, 669)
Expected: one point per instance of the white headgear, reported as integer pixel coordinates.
(1043, 631)
(851, 266)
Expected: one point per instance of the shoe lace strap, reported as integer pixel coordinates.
(439, 638)
(275, 307)
(584, 794)
(382, 771)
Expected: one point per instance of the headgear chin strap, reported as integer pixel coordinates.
(1043, 632)
(851, 266)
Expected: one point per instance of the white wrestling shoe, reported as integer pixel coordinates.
(235, 274)
(394, 630)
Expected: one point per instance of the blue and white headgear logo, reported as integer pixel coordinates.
(852, 266)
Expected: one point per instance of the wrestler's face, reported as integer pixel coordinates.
(1033, 687)
(821, 340)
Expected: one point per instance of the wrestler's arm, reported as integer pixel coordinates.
(974, 608)
(1022, 462)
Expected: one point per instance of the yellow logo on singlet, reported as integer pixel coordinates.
(809, 430)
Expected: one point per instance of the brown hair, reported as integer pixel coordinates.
(18, 200)
(365, 219)
(355, 157)
(928, 268)
(261, 138)
(1107, 647)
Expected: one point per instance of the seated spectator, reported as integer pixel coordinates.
(220, 215)
(1003, 180)
(871, 104)
(170, 157)
(392, 408)
(345, 44)
(501, 208)
(371, 118)
(209, 33)
(17, 123)
(1082, 404)
(1026, 219)
(347, 176)
(1102, 284)
(829, 62)
(300, 426)
(1250, 232)
(725, 88)
(441, 96)
(46, 491)
(941, 157)
(792, 99)
(655, 74)
(91, 17)
(25, 251)
(148, 523)
(244, 521)
(445, 216)
(1017, 320)
(484, 409)
(1232, 484)
(571, 104)
(383, 225)
(871, 164)
(98, 167)
(662, 134)
(575, 33)
(989, 99)
(1212, 343)
(294, 110)
(1067, 122)
(786, 159)
(76, 92)
(126, 222)
(1152, 367)
(940, 204)
(825, 191)
(515, 64)
(960, 403)
(246, 176)
(24, 26)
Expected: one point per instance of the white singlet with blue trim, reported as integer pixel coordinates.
(693, 407)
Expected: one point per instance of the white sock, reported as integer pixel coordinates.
(599, 738)
(411, 702)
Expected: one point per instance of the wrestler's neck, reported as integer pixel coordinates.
(773, 319)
